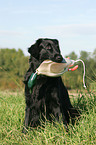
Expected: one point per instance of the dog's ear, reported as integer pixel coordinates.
(35, 49)
(56, 41)
(57, 44)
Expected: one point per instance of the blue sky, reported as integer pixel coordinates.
(72, 22)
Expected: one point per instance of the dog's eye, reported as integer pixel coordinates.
(48, 47)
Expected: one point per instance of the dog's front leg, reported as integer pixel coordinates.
(66, 102)
(64, 95)
(27, 112)
(26, 121)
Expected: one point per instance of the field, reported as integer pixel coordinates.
(12, 107)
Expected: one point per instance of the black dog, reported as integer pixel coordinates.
(49, 97)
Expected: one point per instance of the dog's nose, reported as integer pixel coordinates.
(59, 58)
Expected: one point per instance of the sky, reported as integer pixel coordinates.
(72, 22)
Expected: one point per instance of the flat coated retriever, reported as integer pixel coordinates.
(49, 96)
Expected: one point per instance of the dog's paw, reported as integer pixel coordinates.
(25, 130)
(75, 115)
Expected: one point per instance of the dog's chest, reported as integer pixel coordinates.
(45, 87)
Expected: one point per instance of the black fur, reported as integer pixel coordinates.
(49, 96)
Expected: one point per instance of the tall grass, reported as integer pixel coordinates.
(12, 108)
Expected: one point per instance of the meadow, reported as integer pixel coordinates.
(12, 109)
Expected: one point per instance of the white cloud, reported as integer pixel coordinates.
(71, 29)
(5, 32)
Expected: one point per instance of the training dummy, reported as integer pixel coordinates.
(54, 69)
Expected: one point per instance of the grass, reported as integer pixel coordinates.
(12, 109)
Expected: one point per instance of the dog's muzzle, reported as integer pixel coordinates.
(58, 58)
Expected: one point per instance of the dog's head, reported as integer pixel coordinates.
(45, 49)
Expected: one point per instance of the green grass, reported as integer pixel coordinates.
(12, 109)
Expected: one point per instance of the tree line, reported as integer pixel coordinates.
(14, 64)
(75, 79)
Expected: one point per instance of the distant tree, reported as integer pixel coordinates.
(73, 55)
(85, 55)
(94, 55)
(13, 64)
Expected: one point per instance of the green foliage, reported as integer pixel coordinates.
(72, 55)
(75, 79)
(13, 65)
(12, 108)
